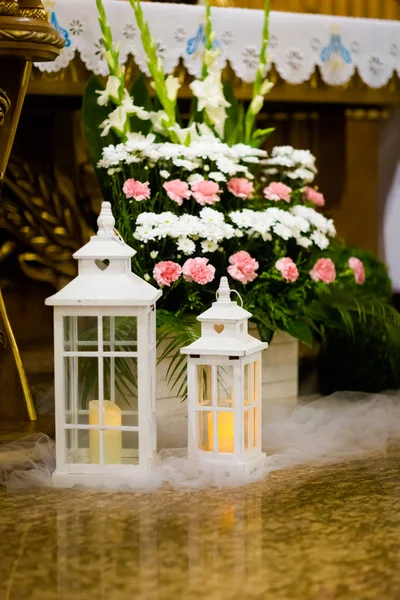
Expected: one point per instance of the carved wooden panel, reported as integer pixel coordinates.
(377, 9)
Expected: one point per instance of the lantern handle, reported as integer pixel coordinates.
(230, 292)
(240, 297)
(113, 233)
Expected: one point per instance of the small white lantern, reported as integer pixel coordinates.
(224, 387)
(105, 363)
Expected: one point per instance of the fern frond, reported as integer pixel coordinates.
(176, 331)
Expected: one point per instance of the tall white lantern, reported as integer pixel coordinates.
(224, 387)
(105, 362)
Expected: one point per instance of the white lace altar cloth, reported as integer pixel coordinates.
(298, 42)
(340, 427)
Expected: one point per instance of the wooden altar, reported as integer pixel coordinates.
(50, 195)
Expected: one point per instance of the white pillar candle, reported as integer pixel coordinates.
(112, 439)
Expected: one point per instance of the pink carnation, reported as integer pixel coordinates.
(288, 269)
(241, 187)
(313, 196)
(359, 272)
(198, 270)
(323, 270)
(177, 190)
(243, 267)
(278, 191)
(206, 192)
(166, 272)
(136, 189)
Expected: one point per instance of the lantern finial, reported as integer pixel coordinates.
(106, 221)
(224, 292)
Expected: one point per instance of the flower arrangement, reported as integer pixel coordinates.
(198, 197)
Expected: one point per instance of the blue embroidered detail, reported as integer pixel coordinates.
(61, 30)
(198, 40)
(335, 46)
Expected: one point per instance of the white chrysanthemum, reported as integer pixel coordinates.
(212, 216)
(283, 231)
(195, 178)
(216, 176)
(147, 218)
(303, 241)
(186, 246)
(320, 240)
(208, 246)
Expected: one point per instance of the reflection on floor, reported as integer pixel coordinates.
(309, 533)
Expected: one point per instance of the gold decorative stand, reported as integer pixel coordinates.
(25, 37)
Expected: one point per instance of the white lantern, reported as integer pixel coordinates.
(224, 387)
(105, 362)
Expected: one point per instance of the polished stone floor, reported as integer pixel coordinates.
(309, 533)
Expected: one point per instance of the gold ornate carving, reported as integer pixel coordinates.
(50, 37)
(34, 13)
(5, 104)
(9, 8)
(44, 214)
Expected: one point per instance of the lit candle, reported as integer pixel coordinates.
(112, 439)
(226, 432)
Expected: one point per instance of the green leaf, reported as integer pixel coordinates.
(301, 331)
(260, 136)
(234, 122)
(93, 116)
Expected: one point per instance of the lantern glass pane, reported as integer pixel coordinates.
(77, 447)
(80, 334)
(81, 376)
(204, 385)
(225, 386)
(205, 430)
(130, 448)
(249, 438)
(121, 386)
(226, 431)
(257, 440)
(120, 334)
(251, 380)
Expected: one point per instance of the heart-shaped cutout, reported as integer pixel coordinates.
(219, 328)
(102, 264)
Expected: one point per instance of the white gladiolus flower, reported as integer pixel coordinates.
(137, 142)
(257, 104)
(154, 254)
(209, 93)
(111, 92)
(146, 277)
(116, 120)
(157, 119)
(164, 174)
(266, 87)
(172, 84)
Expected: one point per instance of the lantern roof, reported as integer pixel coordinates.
(105, 277)
(225, 329)
(224, 309)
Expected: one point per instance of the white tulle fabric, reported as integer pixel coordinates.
(298, 42)
(339, 427)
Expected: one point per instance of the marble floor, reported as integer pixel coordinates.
(308, 533)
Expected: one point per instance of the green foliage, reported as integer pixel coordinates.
(93, 115)
(173, 333)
